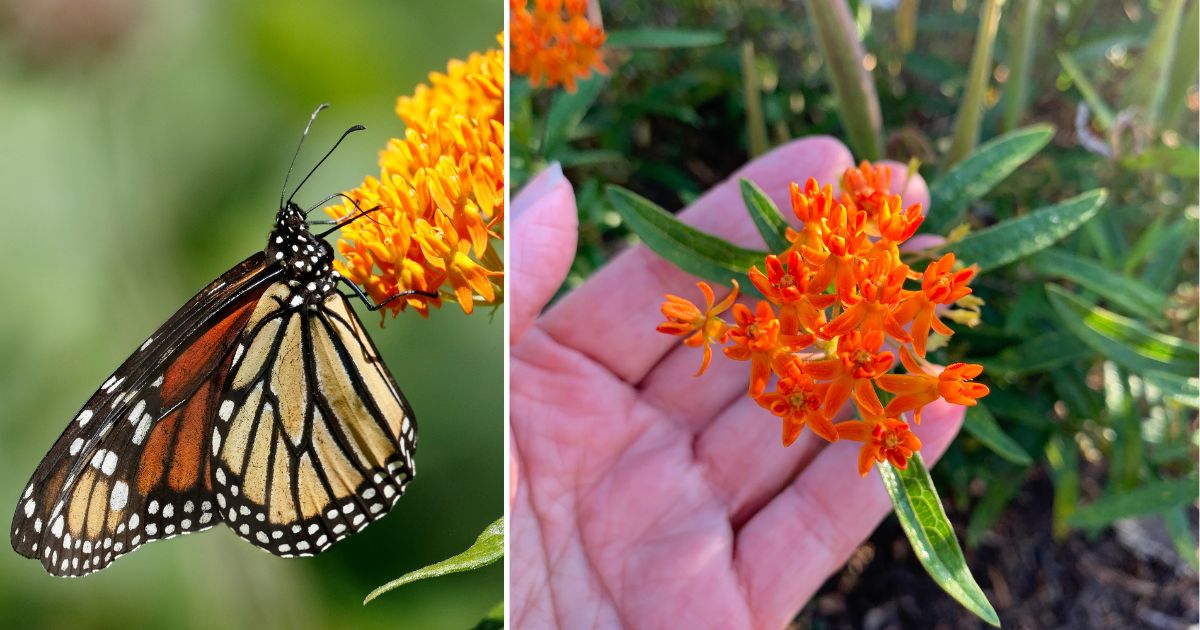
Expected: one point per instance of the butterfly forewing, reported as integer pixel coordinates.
(314, 440)
(132, 466)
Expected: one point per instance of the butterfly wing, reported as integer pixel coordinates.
(314, 440)
(132, 466)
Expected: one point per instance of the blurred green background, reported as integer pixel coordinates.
(144, 144)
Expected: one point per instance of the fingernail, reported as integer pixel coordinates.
(535, 190)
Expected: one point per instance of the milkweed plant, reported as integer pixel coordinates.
(437, 226)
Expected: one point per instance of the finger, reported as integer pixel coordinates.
(612, 317)
(788, 549)
(742, 453)
(545, 226)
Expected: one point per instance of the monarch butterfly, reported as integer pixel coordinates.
(261, 403)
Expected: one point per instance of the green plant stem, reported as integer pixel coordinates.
(756, 127)
(1148, 86)
(1021, 47)
(970, 111)
(858, 104)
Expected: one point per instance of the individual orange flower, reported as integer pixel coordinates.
(896, 224)
(882, 438)
(554, 43)
(940, 284)
(867, 187)
(756, 339)
(810, 204)
(703, 328)
(920, 387)
(880, 284)
(789, 287)
(437, 207)
(857, 360)
(798, 401)
(843, 240)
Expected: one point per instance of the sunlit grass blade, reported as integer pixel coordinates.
(1100, 109)
(1015, 239)
(1149, 498)
(662, 38)
(766, 216)
(970, 109)
(691, 250)
(980, 424)
(1121, 339)
(857, 102)
(975, 176)
(1148, 84)
(924, 521)
(487, 548)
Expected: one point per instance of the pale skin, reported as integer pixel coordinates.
(643, 497)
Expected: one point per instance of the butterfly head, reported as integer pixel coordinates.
(306, 259)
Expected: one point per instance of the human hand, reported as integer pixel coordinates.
(645, 498)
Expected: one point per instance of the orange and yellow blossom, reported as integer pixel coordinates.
(799, 402)
(859, 359)
(702, 328)
(839, 290)
(437, 207)
(940, 285)
(882, 437)
(553, 42)
(921, 386)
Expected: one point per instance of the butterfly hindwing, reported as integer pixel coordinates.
(132, 466)
(313, 440)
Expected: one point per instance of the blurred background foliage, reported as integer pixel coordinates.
(144, 144)
(1090, 346)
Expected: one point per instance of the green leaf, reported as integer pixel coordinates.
(1181, 534)
(662, 38)
(1103, 113)
(493, 620)
(1122, 339)
(982, 425)
(566, 112)
(1163, 268)
(1184, 390)
(929, 531)
(691, 250)
(1002, 487)
(1039, 354)
(972, 178)
(766, 216)
(1062, 454)
(1015, 239)
(1182, 161)
(1134, 297)
(1152, 497)
(488, 548)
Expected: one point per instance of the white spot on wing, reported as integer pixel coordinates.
(119, 496)
(84, 416)
(76, 446)
(147, 344)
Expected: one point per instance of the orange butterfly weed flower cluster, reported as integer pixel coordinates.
(837, 301)
(439, 198)
(553, 42)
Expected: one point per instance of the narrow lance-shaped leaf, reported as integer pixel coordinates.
(1121, 339)
(766, 216)
(920, 512)
(662, 38)
(566, 112)
(982, 426)
(1015, 239)
(1134, 297)
(1152, 497)
(488, 548)
(975, 176)
(691, 250)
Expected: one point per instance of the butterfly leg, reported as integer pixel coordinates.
(372, 306)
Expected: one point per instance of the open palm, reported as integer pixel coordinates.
(646, 498)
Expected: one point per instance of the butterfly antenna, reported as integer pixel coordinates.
(322, 160)
(295, 155)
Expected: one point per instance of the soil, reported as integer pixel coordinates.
(1124, 577)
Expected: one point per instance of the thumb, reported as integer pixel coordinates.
(545, 227)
